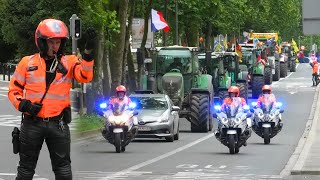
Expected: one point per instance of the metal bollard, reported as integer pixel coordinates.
(3, 72)
(9, 69)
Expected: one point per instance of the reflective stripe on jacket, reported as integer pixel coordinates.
(30, 75)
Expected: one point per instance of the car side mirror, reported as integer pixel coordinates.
(215, 115)
(175, 108)
(281, 110)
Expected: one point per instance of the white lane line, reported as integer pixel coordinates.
(223, 166)
(3, 95)
(7, 174)
(146, 163)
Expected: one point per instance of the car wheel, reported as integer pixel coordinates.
(176, 136)
(171, 137)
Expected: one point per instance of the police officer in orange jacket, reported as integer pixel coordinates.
(266, 89)
(46, 77)
(315, 73)
(121, 96)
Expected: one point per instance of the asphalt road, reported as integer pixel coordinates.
(193, 156)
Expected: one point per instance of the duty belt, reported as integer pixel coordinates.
(47, 119)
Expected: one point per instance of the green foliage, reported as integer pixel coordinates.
(88, 122)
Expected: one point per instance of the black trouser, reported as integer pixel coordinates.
(32, 135)
(315, 79)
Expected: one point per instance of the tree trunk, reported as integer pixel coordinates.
(116, 58)
(192, 34)
(208, 36)
(144, 40)
(131, 74)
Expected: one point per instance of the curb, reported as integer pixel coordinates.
(85, 135)
(298, 158)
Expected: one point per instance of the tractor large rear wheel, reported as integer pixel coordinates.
(200, 111)
(243, 90)
(257, 84)
(268, 75)
(276, 75)
(283, 69)
(293, 66)
(223, 94)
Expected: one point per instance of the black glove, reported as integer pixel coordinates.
(91, 36)
(29, 107)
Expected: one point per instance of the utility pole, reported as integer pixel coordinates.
(75, 32)
(177, 24)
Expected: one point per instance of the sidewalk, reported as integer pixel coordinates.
(308, 162)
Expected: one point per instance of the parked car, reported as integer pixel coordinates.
(157, 116)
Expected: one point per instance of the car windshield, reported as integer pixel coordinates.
(118, 108)
(152, 103)
(174, 59)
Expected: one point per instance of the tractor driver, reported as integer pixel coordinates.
(176, 64)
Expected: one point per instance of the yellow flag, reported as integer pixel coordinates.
(225, 42)
(294, 45)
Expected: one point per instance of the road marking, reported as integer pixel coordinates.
(156, 159)
(3, 95)
(222, 167)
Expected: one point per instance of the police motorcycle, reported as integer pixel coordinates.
(267, 118)
(120, 124)
(233, 126)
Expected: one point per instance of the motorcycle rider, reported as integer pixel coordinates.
(267, 91)
(233, 99)
(121, 96)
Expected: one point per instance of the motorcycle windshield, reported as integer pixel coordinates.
(267, 105)
(118, 108)
(232, 109)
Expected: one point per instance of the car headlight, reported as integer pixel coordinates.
(164, 120)
(224, 121)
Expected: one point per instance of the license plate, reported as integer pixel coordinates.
(142, 128)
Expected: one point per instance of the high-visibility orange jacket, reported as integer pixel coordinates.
(126, 100)
(30, 75)
(263, 100)
(315, 68)
(228, 101)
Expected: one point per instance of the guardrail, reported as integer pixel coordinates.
(7, 69)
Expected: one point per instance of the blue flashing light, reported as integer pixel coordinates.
(278, 104)
(132, 105)
(217, 107)
(254, 103)
(103, 105)
(246, 107)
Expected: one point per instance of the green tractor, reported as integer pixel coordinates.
(226, 71)
(175, 72)
(256, 69)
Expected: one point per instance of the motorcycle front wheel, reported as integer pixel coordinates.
(232, 144)
(266, 136)
(117, 142)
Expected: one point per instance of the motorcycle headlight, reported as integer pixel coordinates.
(237, 120)
(260, 115)
(271, 116)
(224, 121)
